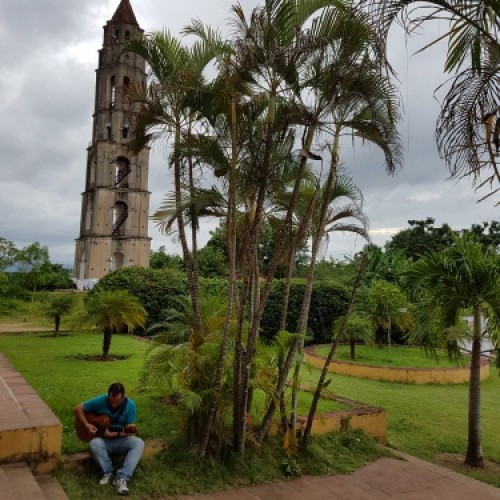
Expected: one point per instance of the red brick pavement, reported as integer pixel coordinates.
(386, 478)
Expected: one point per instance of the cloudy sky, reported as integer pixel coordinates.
(48, 54)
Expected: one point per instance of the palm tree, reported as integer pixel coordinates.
(465, 275)
(169, 106)
(387, 305)
(57, 305)
(468, 127)
(113, 310)
(344, 214)
(181, 363)
(353, 97)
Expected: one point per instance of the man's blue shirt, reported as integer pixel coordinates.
(100, 405)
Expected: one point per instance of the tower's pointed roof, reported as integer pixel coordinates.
(124, 13)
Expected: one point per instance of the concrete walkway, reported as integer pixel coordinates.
(409, 478)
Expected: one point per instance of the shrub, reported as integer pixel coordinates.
(328, 301)
(158, 290)
(213, 286)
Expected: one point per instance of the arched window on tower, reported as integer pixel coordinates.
(113, 92)
(122, 172)
(120, 214)
(82, 265)
(116, 36)
(126, 92)
(127, 36)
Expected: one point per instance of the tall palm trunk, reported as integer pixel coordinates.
(474, 456)
(306, 301)
(299, 237)
(287, 223)
(194, 250)
(232, 284)
(192, 279)
(246, 358)
(331, 352)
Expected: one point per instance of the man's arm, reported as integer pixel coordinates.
(80, 415)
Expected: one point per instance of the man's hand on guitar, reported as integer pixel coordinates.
(111, 434)
(91, 429)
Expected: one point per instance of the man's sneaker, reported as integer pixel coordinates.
(106, 478)
(121, 486)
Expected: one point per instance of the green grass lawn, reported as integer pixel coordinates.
(50, 366)
(396, 356)
(423, 420)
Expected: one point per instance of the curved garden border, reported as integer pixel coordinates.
(459, 375)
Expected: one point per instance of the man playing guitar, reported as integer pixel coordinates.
(114, 437)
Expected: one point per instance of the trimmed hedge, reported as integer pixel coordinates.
(328, 302)
(157, 289)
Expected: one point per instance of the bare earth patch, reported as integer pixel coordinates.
(98, 357)
(22, 328)
(455, 462)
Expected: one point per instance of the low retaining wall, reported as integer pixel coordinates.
(370, 419)
(29, 431)
(459, 375)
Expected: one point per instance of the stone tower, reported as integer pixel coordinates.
(115, 203)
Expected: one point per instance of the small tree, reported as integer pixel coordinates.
(111, 311)
(55, 306)
(388, 306)
(466, 275)
(357, 329)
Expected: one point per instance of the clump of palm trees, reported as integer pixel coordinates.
(293, 75)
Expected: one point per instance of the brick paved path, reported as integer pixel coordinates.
(408, 479)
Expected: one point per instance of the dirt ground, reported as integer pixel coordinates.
(455, 461)
(22, 328)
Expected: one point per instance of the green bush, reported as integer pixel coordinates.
(157, 289)
(328, 301)
(213, 286)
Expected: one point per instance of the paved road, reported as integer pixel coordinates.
(386, 478)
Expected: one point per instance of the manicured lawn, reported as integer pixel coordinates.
(408, 357)
(424, 420)
(49, 365)
(62, 381)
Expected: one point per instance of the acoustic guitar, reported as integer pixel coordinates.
(101, 422)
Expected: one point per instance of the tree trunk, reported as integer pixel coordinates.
(57, 325)
(333, 348)
(353, 348)
(106, 342)
(306, 301)
(232, 284)
(299, 237)
(474, 456)
(198, 323)
(286, 292)
(280, 241)
(192, 279)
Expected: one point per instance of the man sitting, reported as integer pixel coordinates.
(115, 440)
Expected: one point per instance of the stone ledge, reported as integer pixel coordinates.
(83, 459)
(29, 431)
(370, 419)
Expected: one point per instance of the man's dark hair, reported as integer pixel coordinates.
(115, 389)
